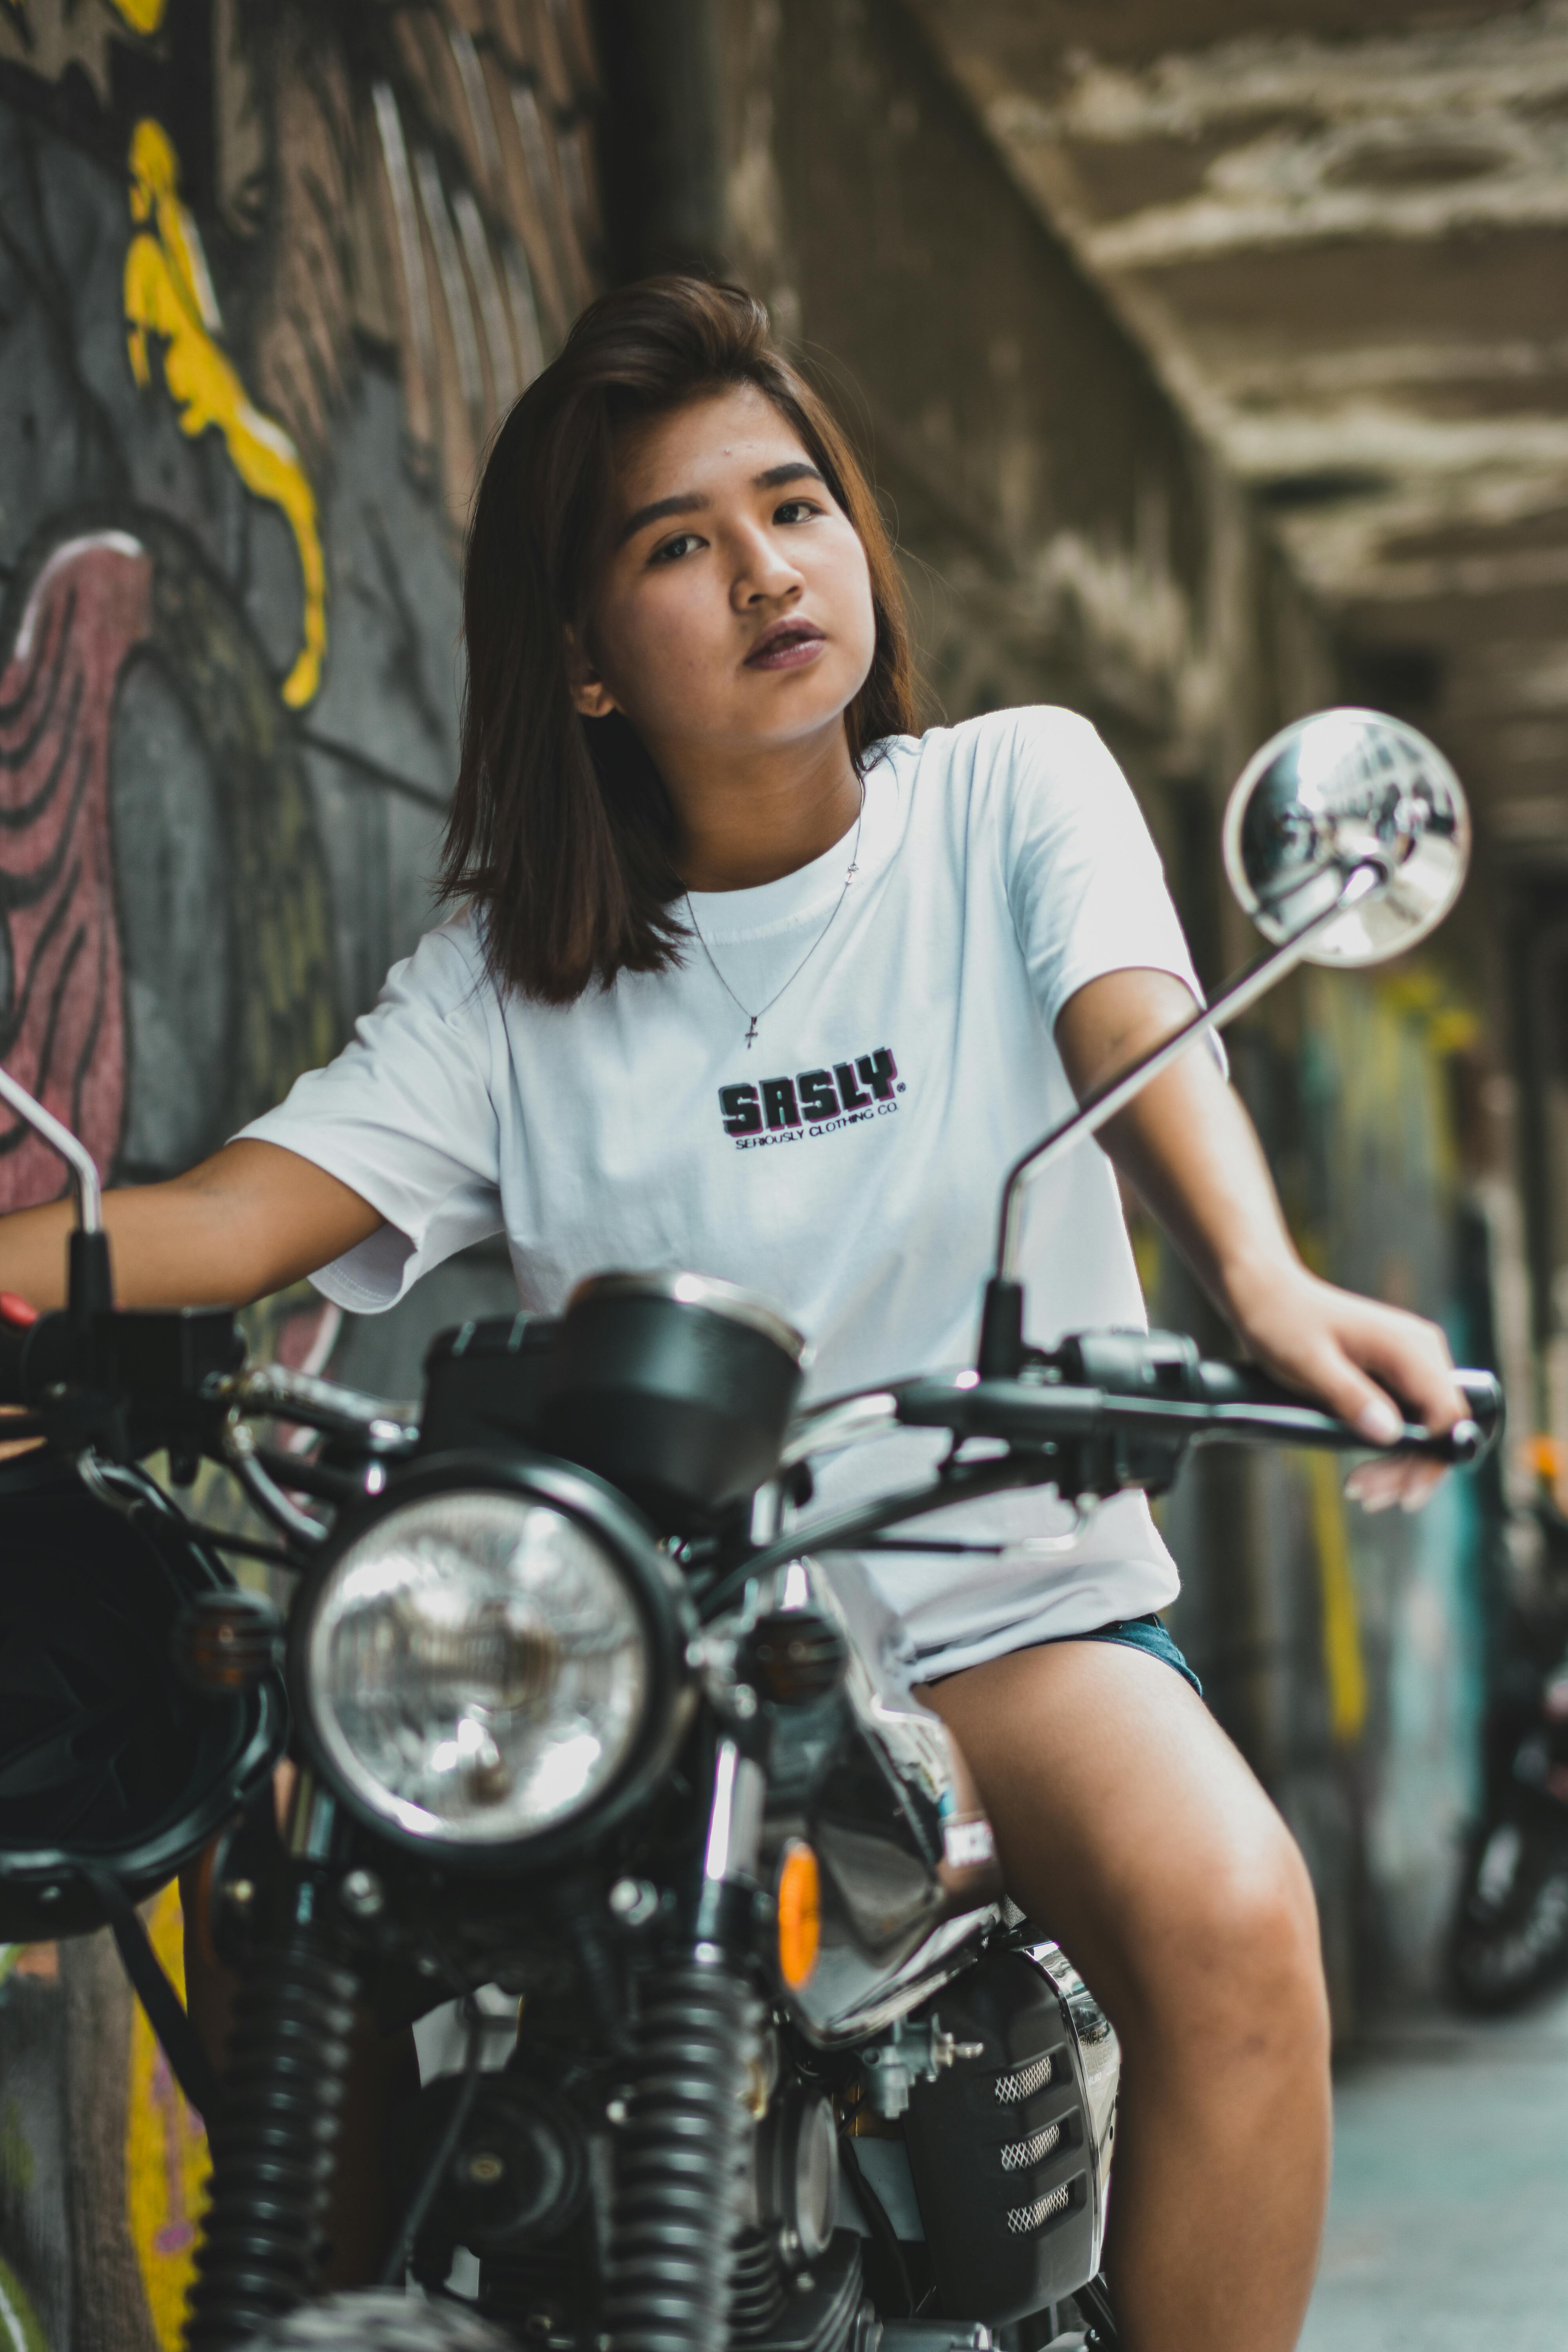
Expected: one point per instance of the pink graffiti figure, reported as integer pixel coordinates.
(62, 1013)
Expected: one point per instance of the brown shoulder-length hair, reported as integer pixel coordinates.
(561, 833)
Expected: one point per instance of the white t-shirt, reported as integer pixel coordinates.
(847, 1164)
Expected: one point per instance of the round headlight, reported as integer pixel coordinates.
(477, 1667)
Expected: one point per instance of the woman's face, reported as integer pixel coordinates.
(734, 614)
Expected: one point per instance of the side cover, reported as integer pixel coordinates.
(1011, 2151)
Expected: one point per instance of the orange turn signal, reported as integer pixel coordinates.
(1545, 1456)
(799, 1899)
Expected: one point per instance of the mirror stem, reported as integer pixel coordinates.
(1001, 1349)
(90, 1288)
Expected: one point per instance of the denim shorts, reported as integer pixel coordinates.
(1146, 1633)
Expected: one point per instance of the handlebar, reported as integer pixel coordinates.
(272, 1390)
(1231, 1402)
(1238, 1388)
(1137, 1383)
(1105, 1409)
(169, 1362)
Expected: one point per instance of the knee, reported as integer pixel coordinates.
(1240, 1966)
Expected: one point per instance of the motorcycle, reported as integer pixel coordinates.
(1508, 1940)
(595, 1734)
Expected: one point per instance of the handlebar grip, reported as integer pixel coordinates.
(1239, 1384)
(35, 1349)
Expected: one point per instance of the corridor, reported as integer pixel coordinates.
(1448, 2226)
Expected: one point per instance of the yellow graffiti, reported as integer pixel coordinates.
(141, 15)
(169, 295)
(166, 2163)
(1343, 1663)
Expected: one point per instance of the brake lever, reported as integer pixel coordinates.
(1082, 1439)
(1293, 1424)
(1237, 1386)
(1038, 1413)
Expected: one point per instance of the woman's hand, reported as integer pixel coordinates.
(1354, 1356)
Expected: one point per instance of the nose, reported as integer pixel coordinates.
(764, 574)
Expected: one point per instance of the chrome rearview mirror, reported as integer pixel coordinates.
(1340, 790)
(1346, 840)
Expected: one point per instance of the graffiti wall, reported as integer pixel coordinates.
(267, 275)
(269, 272)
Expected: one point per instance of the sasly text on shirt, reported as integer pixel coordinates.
(814, 1102)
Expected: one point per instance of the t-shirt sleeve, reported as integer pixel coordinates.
(406, 1118)
(1084, 880)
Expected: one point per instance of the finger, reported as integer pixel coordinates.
(1378, 1485)
(1375, 1485)
(1423, 1483)
(1327, 1371)
(1411, 1357)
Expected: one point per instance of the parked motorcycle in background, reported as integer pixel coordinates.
(1510, 1936)
(597, 1737)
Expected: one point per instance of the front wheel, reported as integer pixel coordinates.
(382, 2319)
(1510, 1936)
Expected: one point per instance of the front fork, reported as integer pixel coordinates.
(682, 2173)
(682, 2170)
(275, 2139)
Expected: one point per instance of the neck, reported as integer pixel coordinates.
(746, 823)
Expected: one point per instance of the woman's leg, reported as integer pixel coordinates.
(1131, 1830)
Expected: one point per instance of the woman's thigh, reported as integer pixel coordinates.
(1132, 1830)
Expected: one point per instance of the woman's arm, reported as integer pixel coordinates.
(1188, 1146)
(249, 1221)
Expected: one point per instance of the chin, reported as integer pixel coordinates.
(813, 697)
(798, 722)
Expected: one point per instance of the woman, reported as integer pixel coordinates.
(746, 977)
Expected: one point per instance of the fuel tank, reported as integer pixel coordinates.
(877, 1784)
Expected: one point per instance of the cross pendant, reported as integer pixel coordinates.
(751, 1033)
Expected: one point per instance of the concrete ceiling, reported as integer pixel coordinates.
(1341, 227)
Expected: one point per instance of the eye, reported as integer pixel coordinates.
(672, 550)
(797, 510)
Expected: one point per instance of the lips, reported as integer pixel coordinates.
(785, 646)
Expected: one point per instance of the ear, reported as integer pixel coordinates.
(590, 695)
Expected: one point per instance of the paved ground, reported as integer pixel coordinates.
(1448, 2229)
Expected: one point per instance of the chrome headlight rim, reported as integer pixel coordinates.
(664, 1609)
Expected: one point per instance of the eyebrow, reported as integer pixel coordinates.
(683, 502)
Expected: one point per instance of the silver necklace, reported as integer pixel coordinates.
(752, 1018)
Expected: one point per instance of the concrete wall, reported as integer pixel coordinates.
(1068, 538)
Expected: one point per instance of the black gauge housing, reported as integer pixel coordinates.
(676, 1388)
(484, 1383)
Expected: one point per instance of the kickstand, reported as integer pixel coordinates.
(1094, 2302)
(188, 2061)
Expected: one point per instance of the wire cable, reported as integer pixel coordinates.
(392, 2271)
